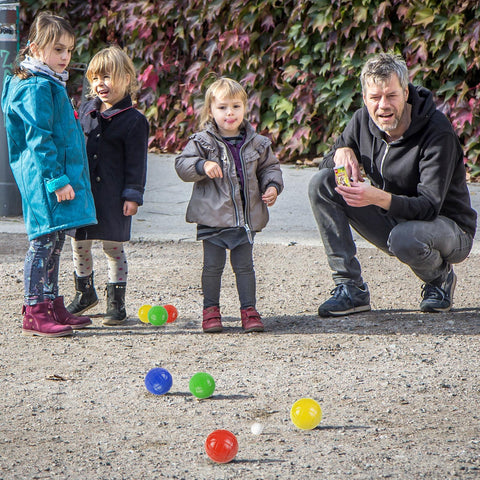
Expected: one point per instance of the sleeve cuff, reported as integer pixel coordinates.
(56, 183)
(132, 195)
(199, 167)
(277, 187)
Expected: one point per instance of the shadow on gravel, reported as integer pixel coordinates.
(209, 399)
(140, 329)
(376, 322)
(342, 427)
(257, 461)
(381, 322)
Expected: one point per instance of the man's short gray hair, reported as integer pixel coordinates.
(380, 68)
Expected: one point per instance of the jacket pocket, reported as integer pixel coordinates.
(251, 156)
(51, 202)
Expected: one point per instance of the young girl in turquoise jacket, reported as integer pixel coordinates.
(48, 160)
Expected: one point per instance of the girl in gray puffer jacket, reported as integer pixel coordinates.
(236, 177)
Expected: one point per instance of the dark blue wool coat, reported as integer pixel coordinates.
(117, 142)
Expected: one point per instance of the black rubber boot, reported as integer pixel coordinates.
(85, 296)
(116, 314)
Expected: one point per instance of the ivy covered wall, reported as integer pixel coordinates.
(299, 60)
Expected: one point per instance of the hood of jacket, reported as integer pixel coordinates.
(212, 130)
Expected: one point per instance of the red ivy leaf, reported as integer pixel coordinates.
(162, 102)
(229, 39)
(268, 23)
(249, 78)
(149, 78)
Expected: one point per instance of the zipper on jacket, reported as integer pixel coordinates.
(249, 233)
(382, 162)
(246, 210)
(226, 160)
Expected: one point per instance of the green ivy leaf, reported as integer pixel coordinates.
(424, 16)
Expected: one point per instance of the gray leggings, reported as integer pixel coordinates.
(241, 259)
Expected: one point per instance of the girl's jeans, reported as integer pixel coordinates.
(214, 258)
(41, 268)
(427, 247)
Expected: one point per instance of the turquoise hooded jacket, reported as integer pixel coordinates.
(46, 152)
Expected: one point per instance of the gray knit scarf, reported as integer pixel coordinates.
(36, 66)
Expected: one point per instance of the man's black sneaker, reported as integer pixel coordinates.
(439, 299)
(346, 299)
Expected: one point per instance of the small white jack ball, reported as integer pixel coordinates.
(257, 428)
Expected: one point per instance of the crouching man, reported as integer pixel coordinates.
(415, 204)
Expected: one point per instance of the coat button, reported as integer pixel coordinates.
(98, 179)
(98, 135)
(95, 157)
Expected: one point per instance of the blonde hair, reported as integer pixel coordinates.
(222, 88)
(116, 63)
(46, 29)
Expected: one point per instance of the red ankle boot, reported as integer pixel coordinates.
(251, 321)
(39, 320)
(212, 320)
(64, 317)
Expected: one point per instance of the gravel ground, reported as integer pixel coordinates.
(399, 389)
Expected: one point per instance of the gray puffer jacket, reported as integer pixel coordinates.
(217, 202)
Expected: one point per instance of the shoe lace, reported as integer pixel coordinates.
(339, 290)
(433, 292)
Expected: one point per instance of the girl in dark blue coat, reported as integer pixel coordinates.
(48, 160)
(117, 139)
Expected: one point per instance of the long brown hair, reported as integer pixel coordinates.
(46, 29)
